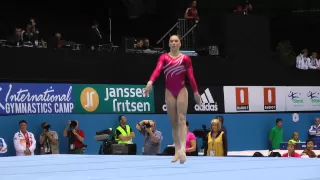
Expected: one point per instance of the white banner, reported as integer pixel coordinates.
(303, 99)
(254, 98)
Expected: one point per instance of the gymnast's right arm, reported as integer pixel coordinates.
(157, 70)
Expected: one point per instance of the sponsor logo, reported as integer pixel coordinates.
(36, 99)
(269, 96)
(128, 99)
(208, 104)
(89, 99)
(314, 97)
(242, 99)
(295, 97)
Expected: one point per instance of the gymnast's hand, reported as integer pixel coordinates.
(197, 98)
(147, 89)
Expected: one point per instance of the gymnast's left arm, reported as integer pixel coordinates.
(190, 74)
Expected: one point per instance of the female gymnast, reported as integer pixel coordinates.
(176, 66)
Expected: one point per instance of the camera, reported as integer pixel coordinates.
(147, 125)
(73, 124)
(46, 127)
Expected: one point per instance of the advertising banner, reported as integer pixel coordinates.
(254, 99)
(105, 98)
(302, 98)
(212, 100)
(22, 98)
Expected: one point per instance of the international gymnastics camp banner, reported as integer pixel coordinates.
(23, 98)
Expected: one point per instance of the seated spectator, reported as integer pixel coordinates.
(295, 138)
(139, 45)
(217, 141)
(302, 61)
(146, 44)
(313, 62)
(191, 143)
(309, 150)
(314, 130)
(291, 151)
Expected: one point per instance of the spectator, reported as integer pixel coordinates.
(152, 137)
(276, 135)
(124, 133)
(295, 138)
(309, 149)
(302, 61)
(314, 130)
(313, 62)
(48, 140)
(24, 141)
(191, 143)
(217, 141)
(3, 147)
(291, 151)
(76, 137)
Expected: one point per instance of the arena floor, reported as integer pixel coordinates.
(95, 167)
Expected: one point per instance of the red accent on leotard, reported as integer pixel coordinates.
(175, 70)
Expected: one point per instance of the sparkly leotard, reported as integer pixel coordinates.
(175, 70)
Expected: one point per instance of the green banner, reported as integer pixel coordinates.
(105, 98)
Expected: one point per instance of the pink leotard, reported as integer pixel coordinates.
(175, 70)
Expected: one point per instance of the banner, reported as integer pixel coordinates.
(20, 98)
(212, 98)
(302, 98)
(254, 98)
(105, 98)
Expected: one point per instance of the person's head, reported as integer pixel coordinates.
(317, 121)
(194, 4)
(23, 125)
(291, 147)
(314, 55)
(310, 144)
(18, 31)
(146, 42)
(58, 35)
(139, 43)
(215, 125)
(122, 120)
(174, 43)
(295, 136)
(304, 52)
(279, 123)
(33, 22)
(220, 118)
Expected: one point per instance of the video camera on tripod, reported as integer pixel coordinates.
(203, 134)
(103, 136)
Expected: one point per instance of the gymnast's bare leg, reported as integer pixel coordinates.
(172, 111)
(182, 107)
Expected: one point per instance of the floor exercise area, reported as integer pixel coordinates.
(98, 167)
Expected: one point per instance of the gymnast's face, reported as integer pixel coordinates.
(174, 43)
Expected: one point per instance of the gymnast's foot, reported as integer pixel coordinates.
(176, 157)
(182, 156)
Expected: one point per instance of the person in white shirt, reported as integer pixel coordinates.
(313, 62)
(302, 61)
(314, 130)
(24, 141)
(3, 146)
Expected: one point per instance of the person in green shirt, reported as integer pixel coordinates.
(276, 135)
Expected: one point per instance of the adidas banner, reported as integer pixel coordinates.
(212, 100)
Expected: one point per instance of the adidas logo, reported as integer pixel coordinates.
(207, 102)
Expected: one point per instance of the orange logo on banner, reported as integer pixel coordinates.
(242, 99)
(269, 96)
